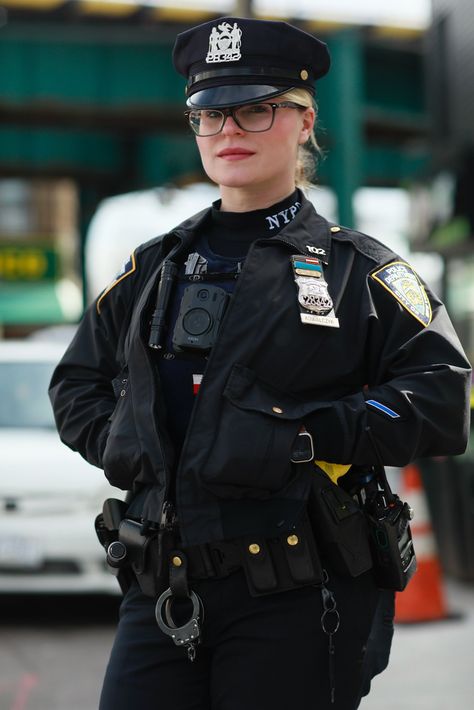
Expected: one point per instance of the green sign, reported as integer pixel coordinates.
(27, 263)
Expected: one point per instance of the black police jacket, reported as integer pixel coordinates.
(387, 385)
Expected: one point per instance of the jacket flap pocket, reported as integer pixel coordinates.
(246, 391)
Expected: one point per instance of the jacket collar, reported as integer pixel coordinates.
(308, 232)
(185, 232)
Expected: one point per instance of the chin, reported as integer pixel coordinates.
(232, 175)
(235, 178)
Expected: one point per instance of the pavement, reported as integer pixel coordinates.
(431, 664)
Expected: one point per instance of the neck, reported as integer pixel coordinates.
(247, 199)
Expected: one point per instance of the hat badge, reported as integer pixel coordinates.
(224, 43)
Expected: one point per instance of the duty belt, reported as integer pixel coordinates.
(270, 564)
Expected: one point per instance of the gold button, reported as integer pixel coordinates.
(254, 549)
(304, 74)
(277, 410)
(177, 561)
(335, 229)
(292, 540)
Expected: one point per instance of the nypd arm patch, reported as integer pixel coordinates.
(128, 268)
(402, 282)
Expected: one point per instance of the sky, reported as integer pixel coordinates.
(404, 13)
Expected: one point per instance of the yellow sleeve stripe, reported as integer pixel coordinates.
(116, 281)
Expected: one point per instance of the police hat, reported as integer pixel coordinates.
(233, 60)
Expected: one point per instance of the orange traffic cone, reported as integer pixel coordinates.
(423, 599)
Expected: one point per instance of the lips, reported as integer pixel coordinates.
(234, 153)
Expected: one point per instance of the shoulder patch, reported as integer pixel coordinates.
(399, 279)
(128, 268)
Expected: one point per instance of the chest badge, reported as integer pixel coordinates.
(314, 300)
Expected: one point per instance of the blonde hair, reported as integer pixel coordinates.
(310, 152)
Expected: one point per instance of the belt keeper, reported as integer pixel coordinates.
(258, 565)
(302, 555)
(206, 560)
(178, 566)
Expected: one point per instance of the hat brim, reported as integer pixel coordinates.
(233, 95)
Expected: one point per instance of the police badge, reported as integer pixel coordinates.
(316, 306)
(224, 43)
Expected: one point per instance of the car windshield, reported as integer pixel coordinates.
(24, 398)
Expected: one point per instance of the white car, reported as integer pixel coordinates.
(49, 495)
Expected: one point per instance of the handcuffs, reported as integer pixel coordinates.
(188, 635)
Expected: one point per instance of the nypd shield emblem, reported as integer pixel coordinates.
(399, 279)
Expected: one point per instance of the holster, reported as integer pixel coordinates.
(147, 555)
(339, 525)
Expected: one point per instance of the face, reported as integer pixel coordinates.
(235, 158)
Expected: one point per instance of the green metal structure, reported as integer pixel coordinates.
(95, 99)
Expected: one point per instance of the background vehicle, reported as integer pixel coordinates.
(49, 496)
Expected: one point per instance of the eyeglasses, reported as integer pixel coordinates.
(254, 118)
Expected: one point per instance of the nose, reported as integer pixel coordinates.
(230, 126)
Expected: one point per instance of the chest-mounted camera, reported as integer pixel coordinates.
(200, 314)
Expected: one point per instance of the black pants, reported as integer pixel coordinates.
(379, 642)
(268, 653)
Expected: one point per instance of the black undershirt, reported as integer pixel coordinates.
(232, 233)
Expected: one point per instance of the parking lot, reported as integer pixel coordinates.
(53, 650)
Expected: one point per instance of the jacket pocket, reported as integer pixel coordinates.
(121, 457)
(250, 456)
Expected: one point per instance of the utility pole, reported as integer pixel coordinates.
(243, 8)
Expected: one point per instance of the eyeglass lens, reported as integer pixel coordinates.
(254, 117)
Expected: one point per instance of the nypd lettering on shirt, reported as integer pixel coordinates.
(278, 220)
(399, 279)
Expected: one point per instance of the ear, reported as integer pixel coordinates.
(307, 125)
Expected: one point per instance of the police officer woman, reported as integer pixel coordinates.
(234, 362)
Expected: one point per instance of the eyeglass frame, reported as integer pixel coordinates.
(229, 111)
